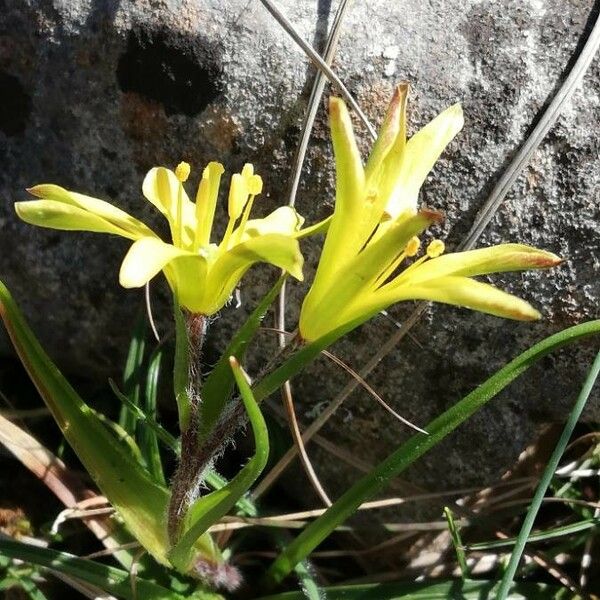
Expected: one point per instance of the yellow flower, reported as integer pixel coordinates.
(375, 226)
(201, 274)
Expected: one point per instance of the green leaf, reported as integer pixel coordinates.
(540, 536)
(444, 590)
(378, 478)
(220, 383)
(114, 581)
(207, 510)
(147, 436)
(138, 499)
(457, 542)
(131, 375)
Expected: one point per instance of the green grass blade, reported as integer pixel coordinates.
(139, 500)
(208, 509)
(132, 374)
(170, 441)
(220, 383)
(439, 590)
(540, 536)
(147, 436)
(457, 542)
(111, 579)
(375, 481)
(547, 476)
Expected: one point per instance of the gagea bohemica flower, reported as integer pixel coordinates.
(375, 226)
(201, 274)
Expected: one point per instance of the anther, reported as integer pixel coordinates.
(413, 246)
(435, 248)
(182, 171)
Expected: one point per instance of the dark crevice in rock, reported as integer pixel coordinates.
(16, 105)
(154, 67)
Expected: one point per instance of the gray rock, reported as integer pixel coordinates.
(93, 93)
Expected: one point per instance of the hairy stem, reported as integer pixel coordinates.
(187, 476)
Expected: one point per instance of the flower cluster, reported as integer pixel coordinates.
(375, 226)
(201, 273)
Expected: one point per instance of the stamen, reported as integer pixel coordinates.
(436, 248)
(413, 246)
(255, 185)
(182, 171)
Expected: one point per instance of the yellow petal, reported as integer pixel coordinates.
(101, 208)
(461, 291)
(238, 196)
(392, 136)
(162, 188)
(146, 258)
(59, 215)
(495, 259)
(345, 234)
(224, 275)
(206, 202)
(420, 154)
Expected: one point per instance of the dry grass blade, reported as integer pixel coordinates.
(364, 384)
(149, 313)
(314, 100)
(54, 474)
(524, 154)
(297, 436)
(319, 63)
(313, 105)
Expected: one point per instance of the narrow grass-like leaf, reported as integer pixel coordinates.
(139, 500)
(26, 584)
(457, 542)
(538, 497)
(220, 383)
(161, 433)
(208, 509)
(114, 581)
(147, 436)
(378, 478)
(540, 536)
(438, 590)
(132, 374)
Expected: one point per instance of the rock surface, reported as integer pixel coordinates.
(95, 92)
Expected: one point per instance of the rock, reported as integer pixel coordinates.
(95, 93)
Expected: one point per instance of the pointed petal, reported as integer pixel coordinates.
(392, 135)
(206, 202)
(279, 250)
(496, 259)
(59, 215)
(98, 207)
(344, 237)
(145, 259)
(162, 188)
(421, 152)
(466, 292)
